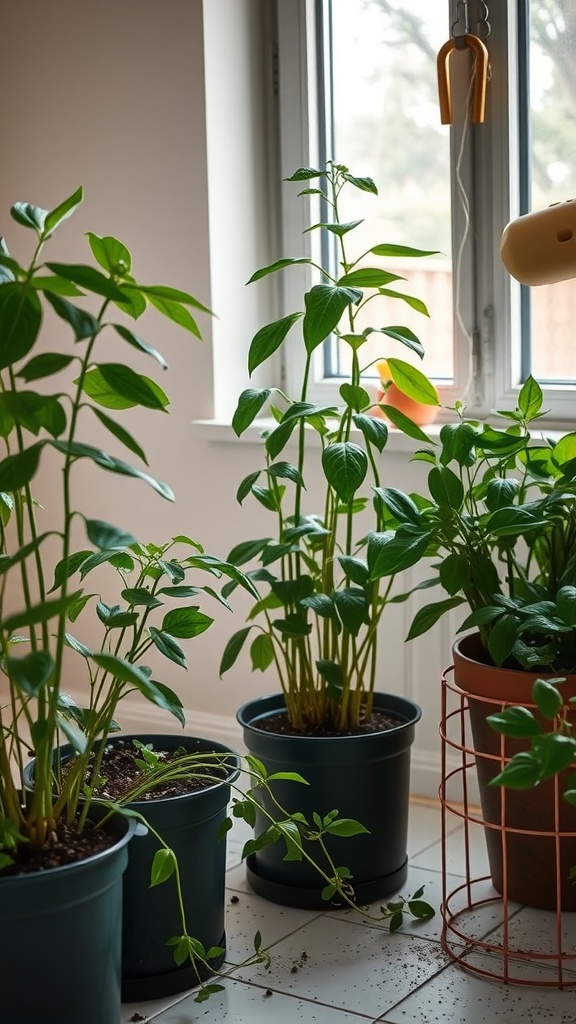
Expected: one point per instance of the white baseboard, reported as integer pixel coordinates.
(138, 717)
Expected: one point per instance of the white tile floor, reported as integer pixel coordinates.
(333, 968)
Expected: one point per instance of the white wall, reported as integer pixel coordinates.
(169, 140)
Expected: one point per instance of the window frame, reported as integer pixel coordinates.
(487, 350)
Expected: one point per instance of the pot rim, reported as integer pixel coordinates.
(274, 703)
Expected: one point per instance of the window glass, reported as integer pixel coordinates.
(551, 139)
(385, 123)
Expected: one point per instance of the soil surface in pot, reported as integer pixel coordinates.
(120, 774)
(63, 846)
(380, 721)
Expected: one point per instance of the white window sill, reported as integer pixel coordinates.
(221, 432)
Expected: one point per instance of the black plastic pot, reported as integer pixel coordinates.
(60, 938)
(364, 777)
(189, 825)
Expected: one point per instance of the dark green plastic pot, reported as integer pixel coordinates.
(189, 825)
(364, 777)
(60, 938)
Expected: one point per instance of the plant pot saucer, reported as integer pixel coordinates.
(311, 899)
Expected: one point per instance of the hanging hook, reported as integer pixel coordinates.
(479, 71)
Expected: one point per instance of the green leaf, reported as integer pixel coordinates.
(133, 387)
(355, 397)
(122, 434)
(44, 365)
(111, 254)
(174, 311)
(410, 300)
(292, 625)
(89, 278)
(163, 866)
(346, 827)
(502, 638)
(368, 277)
(420, 909)
(185, 623)
(406, 425)
(32, 672)
(400, 505)
(113, 465)
(17, 470)
(63, 211)
(335, 229)
(325, 304)
(66, 568)
(55, 284)
(168, 646)
(29, 216)
(345, 465)
(388, 556)
(500, 493)
(512, 521)
(285, 471)
(262, 652)
(34, 411)
(163, 697)
(75, 737)
(565, 450)
(446, 488)
(20, 320)
(250, 403)
(530, 399)
(108, 537)
(375, 431)
(39, 613)
(104, 390)
(353, 608)
(119, 668)
(566, 604)
(521, 772)
(166, 292)
(402, 334)
(402, 251)
(140, 344)
(305, 173)
(547, 698)
(140, 597)
(427, 617)
(288, 261)
(517, 722)
(454, 572)
(82, 323)
(268, 340)
(364, 184)
(355, 569)
(412, 382)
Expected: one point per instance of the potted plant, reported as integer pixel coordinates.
(60, 868)
(498, 524)
(62, 846)
(317, 619)
(181, 786)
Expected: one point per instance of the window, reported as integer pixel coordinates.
(358, 83)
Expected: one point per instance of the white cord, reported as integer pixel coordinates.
(465, 202)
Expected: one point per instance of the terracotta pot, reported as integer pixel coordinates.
(534, 823)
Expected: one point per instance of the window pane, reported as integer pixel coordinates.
(386, 124)
(552, 134)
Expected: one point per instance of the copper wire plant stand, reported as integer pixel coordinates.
(482, 929)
